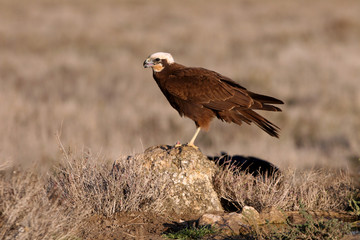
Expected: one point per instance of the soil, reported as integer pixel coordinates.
(135, 225)
(123, 226)
(140, 225)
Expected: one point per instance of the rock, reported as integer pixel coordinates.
(233, 223)
(228, 223)
(191, 192)
(210, 219)
(251, 216)
(236, 223)
(273, 215)
(249, 220)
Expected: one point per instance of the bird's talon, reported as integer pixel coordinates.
(192, 145)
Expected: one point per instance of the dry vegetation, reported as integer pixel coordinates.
(76, 196)
(289, 191)
(75, 67)
(59, 203)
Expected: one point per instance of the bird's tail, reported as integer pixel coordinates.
(263, 102)
(248, 116)
(260, 121)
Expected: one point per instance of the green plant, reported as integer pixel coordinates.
(191, 233)
(355, 206)
(311, 229)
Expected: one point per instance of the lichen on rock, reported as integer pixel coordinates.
(191, 192)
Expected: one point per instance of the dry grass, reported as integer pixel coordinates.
(58, 203)
(104, 188)
(289, 190)
(26, 212)
(55, 205)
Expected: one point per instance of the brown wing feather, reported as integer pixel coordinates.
(202, 92)
(208, 88)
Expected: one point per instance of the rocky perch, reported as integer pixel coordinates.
(191, 192)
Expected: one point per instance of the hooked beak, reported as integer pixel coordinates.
(148, 63)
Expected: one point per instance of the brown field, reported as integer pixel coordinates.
(74, 69)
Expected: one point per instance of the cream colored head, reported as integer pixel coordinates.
(156, 60)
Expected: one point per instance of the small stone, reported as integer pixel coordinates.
(227, 223)
(210, 219)
(237, 224)
(251, 216)
(107, 223)
(273, 215)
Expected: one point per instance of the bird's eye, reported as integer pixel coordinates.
(157, 59)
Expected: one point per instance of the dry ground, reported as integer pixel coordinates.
(75, 67)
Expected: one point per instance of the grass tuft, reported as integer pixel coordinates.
(354, 206)
(311, 229)
(56, 204)
(191, 233)
(106, 188)
(316, 190)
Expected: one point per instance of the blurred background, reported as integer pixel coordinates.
(74, 68)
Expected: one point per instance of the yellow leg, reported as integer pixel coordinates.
(191, 143)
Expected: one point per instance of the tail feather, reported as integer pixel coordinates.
(266, 107)
(261, 122)
(262, 102)
(248, 116)
(264, 99)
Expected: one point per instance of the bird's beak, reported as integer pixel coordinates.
(148, 63)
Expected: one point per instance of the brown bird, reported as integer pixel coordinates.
(201, 94)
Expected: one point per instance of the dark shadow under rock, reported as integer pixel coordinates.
(248, 164)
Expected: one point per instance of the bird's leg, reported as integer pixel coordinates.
(191, 143)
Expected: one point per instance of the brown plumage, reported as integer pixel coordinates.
(201, 94)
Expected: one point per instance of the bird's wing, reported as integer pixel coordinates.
(208, 88)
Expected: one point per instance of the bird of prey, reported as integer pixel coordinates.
(201, 94)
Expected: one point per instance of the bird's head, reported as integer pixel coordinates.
(157, 61)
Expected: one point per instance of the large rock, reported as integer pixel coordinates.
(191, 193)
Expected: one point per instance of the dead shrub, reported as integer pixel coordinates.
(316, 190)
(106, 188)
(54, 205)
(26, 212)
